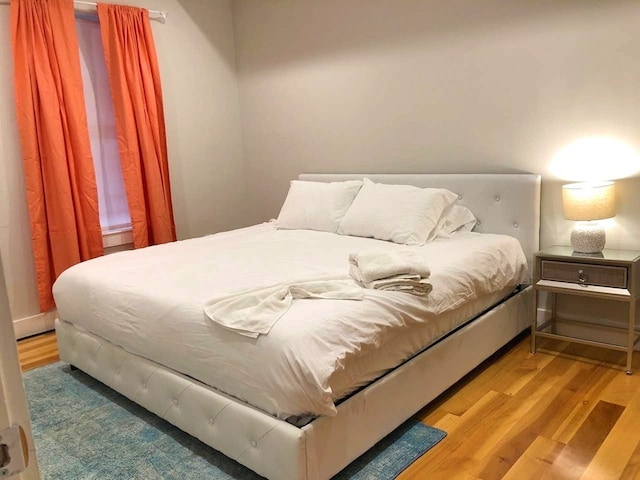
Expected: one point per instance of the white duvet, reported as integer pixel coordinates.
(151, 303)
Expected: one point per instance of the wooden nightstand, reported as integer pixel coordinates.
(613, 275)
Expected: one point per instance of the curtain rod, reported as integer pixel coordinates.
(160, 15)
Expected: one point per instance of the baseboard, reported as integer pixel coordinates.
(28, 326)
(543, 315)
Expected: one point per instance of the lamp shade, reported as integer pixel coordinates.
(589, 201)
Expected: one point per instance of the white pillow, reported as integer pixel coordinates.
(399, 213)
(317, 205)
(455, 219)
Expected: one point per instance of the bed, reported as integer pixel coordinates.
(314, 428)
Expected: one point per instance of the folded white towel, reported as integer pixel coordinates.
(253, 313)
(373, 265)
(397, 270)
(403, 283)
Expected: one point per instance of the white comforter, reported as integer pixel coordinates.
(151, 302)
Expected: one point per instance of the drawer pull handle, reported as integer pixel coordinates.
(582, 278)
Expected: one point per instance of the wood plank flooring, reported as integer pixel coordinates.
(567, 412)
(38, 351)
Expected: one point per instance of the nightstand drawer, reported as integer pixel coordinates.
(602, 275)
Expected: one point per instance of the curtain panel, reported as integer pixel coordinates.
(59, 174)
(134, 78)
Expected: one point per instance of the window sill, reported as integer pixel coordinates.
(117, 238)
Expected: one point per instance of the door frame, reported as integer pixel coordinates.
(13, 402)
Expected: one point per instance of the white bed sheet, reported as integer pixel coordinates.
(151, 303)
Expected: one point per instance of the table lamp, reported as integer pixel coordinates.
(585, 203)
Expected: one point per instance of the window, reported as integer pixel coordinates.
(114, 211)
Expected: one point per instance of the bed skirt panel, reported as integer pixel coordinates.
(377, 410)
(272, 447)
(269, 446)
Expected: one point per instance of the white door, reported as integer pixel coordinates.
(13, 404)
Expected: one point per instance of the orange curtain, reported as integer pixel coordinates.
(134, 77)
(61, 189)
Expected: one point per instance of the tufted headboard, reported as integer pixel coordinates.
(503, 203)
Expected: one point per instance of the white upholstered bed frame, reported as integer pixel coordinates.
(504, 203)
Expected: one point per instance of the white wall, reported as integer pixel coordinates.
(197, 62)
(365, 85)
(435, 86)
(15, 233)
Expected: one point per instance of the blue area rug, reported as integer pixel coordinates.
(84, 430)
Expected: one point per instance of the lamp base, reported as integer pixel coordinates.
(588, 237)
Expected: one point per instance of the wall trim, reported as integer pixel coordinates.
(543, 315)
(28, 326)
(117, 237)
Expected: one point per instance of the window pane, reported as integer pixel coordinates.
(114, 211)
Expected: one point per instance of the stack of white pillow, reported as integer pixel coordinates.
(402, 214)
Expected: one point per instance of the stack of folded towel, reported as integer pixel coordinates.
(401, 270)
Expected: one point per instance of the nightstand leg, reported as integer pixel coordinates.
(631, 335)
(534, 319)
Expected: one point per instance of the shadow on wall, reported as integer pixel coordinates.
(327, 27)
(203, 15)
(15, 230)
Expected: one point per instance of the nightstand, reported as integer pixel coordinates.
(613, 275)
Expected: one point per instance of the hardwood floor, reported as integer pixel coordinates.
(38, 351)
(563, 413)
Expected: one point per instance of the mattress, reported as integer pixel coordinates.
(151, 303)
